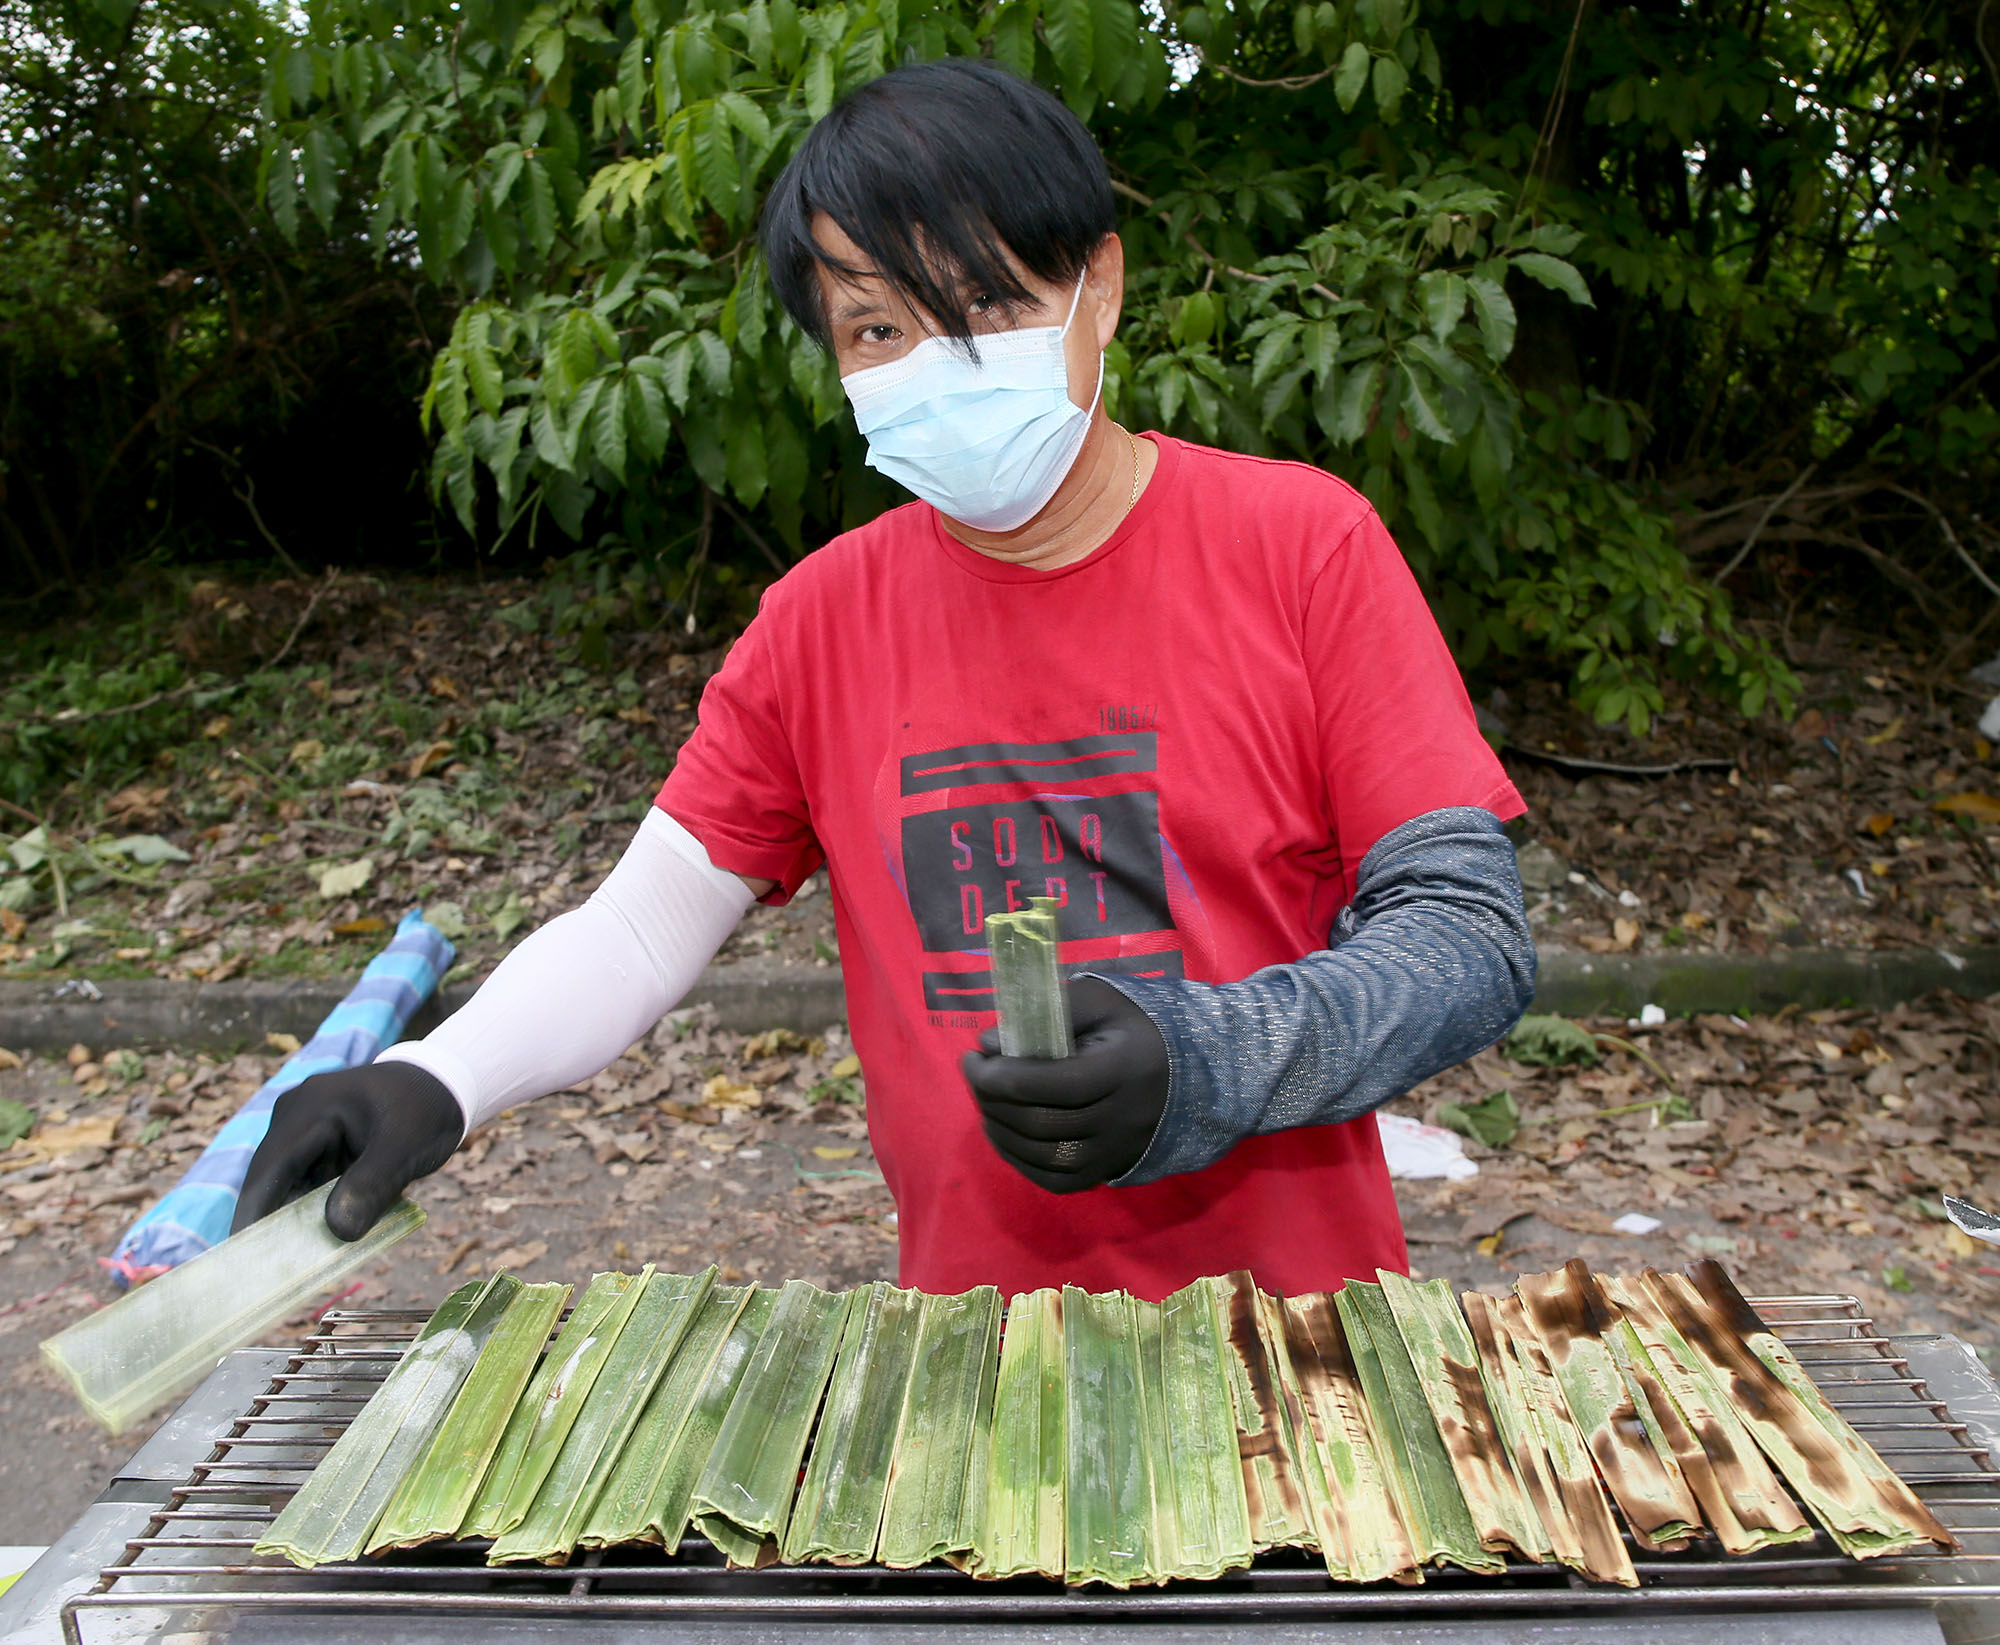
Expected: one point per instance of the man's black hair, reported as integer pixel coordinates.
(936, 171)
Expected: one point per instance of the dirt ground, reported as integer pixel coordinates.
(1810, 1159)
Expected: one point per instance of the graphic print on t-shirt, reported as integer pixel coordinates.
(986, 826)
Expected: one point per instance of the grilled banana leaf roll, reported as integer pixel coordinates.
(1414, 1456)
(1741, 1500)
(432, 1502)
(638, 1359)
(1572, 1320)
(751, 1474)
(1361, 1533)
(622, 1512)
(937, 1481)
(672, 1504)
(1027, 981)
(1555, 1470)
(1455, 1387)
(1021, 1528)
(1838, 1475)
(1197, 1474)
(1108, 1483)
(838, 1515)
(331, 1516)
(1274, 1484)
(542, 1421)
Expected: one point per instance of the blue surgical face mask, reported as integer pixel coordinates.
(987, 441)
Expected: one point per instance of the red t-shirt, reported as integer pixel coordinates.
(1193, 736)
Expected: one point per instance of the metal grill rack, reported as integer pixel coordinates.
(194, 1561)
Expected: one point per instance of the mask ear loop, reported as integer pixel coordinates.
(1076, 297)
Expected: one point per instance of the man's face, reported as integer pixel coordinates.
(872, 325)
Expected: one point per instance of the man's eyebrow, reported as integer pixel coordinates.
(856, 308)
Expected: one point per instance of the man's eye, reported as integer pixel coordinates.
(880, 334)
(984, 303)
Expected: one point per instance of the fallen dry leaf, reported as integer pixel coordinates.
(1980, 807)
(519, 1256)
(436, 754)
(52, 1141)
(287, 1043)
(9, 1059)
(835, 1153)
(11, 924)
(723, 1092)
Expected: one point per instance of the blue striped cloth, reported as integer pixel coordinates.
(195, 1213)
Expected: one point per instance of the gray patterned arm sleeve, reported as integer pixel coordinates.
(1431, 963)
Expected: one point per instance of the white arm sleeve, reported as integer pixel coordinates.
(575, 994)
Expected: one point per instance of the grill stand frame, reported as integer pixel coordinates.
(175, 1569)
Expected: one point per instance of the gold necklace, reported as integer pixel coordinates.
(1133, 501)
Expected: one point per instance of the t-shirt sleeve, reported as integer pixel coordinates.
(736, 784)
(1397, 733)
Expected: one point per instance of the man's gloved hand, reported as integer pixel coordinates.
(1074, 1122)
(377, 1128)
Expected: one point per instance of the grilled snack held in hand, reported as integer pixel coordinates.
(1079, 1121)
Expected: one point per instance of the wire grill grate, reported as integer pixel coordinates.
(195, 1553)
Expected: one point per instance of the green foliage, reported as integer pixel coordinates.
(1551, 1042)
(1542, 293)
(165, 351)
(588, 178)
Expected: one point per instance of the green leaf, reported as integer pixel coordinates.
(743, 449)
(607, 426)
(646, 412)
(676, 367)
(1556, 274)
(1391, 79)
(1279, 344)
(1493, 1121)
(147, 849)
(1420, 396)
(483, 376)
(17, 1119)
(399, 177)
(538, 210)
(281, 192)
(712, 355)
(1068, 25)
(1494, 310)
(715, 160)
(1551, 1042)
(1352, 77)
(546, 433)
(345, 879)
(785, 457)
(510, 916)
(819, 85)
(1443, 299)
(324, 155)
(747, 117)
(1357, 402)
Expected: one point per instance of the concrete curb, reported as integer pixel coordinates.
(750, 996)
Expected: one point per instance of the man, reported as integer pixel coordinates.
(1196, 698)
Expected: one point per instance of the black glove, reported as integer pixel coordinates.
(377, 1128)
(1070, 1123)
